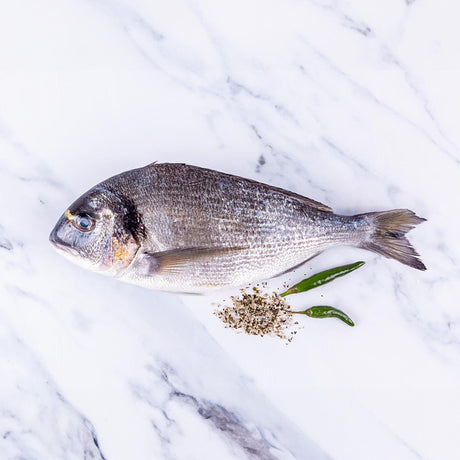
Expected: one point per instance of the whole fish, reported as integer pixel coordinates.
(182, 228)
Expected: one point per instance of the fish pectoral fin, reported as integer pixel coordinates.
(178, 260)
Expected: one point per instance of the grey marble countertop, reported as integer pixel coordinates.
(352, 103)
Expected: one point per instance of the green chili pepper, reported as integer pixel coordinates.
(322, 278)
(324, 311)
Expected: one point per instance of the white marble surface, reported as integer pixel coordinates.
(352, 103)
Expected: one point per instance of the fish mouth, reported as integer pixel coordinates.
(60, 244)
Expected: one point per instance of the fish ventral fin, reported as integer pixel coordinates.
(388, 237)
(179, 260)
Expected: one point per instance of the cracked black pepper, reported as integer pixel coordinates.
(259, 313)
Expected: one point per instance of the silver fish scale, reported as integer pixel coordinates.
(184, 206)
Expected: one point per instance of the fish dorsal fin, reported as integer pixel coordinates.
(179, 260)
(303, 199)
(208, 173)
(313, 203)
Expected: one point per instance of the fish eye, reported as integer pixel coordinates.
(83, 223)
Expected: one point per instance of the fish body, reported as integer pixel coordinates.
(182, 228)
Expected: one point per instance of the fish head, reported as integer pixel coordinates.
(94, 234)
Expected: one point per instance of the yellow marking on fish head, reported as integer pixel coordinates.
(69, 215)
(123, 252)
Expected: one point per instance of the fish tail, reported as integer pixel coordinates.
(387, 235)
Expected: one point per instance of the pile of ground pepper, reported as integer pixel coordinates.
(259, 313)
